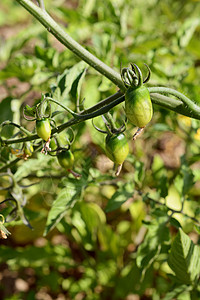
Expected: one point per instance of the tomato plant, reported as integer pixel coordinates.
(91, 235)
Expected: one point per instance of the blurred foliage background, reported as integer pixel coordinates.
(110, 238)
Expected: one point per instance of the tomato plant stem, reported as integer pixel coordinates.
(185, 106)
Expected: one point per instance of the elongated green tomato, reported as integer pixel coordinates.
(138, 106)
(117, 147)
(66, 159)
(43, 129)
(28, 149)
(53, 144)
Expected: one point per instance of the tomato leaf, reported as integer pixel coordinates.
(69, 76)
(177, 291)
(155, 239)
(184, 259)
(29, 111)
(66, 199)
(119, 197)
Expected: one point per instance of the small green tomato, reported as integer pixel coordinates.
(53, 144)
(117, 147)
(66, 159)
(43, 129)
(28, 149)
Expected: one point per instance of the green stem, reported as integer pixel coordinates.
(24, 130)
(91, 115)
(63, 106)
(105, 105)
(188, 103)
(185, 106)
(10, 164)
(45, 19)
(82, 117)
(174, 210)
(109, 118)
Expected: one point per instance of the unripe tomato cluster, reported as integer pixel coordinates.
(65, 157)
(138, 109)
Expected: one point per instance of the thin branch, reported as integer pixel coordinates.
(174, 210)
(82, 117)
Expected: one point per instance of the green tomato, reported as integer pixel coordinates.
(28, 149)
(117, 147)
(66, 159)
(138, 106)
(43, 129)
(53, 144)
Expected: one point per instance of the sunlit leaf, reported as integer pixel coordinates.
(184, 258)
(119, 197)
(66, 198)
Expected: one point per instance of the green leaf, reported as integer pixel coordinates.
(186, 32)
(21, 67)
(157, 234)
(155, 239)
(92, 215)
(16, 42)
(176, 292)
(184, 181)
(29, 111)
(175, 223)
(139, 172)
(119, 197)
(32, 165)
(76, 86)
(66, 199)
(46, 54)
(197, 228)
(184, 259)
(69, 76)
(188, 179)
(163, 186)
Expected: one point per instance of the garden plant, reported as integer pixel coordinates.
(100, 150)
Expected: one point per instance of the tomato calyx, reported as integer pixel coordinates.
(132, 77)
